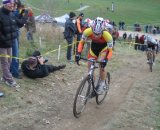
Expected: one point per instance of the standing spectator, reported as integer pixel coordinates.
(137, 39)
(150, 28)
(115, 35)
(123, 25)
(30, 25)
(146, 28)
(8, 33)
(21, 18)
(79, 26)
(130, 38)
(120, 25)
(69, 33)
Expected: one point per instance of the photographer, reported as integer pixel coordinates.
(35, 67)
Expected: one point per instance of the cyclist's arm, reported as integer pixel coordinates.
(108, 38)
(85, 35)
(81, 43)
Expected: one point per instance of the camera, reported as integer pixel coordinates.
(45, 59)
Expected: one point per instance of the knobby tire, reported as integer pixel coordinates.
(78, 95)
(100, 98)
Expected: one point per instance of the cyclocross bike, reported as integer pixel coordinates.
(87, 89)
(150, 56)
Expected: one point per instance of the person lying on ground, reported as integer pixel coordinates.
(36, 67)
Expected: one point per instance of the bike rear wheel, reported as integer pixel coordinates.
(81, 97)
(100, 98)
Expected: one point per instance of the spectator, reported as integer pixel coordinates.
(14, 68)
(137, 39)
(120, 25)
(35, 67)
(115, 35)
(69, 33)
(130, 38)
(79, 27)
(8, 33)
(30, 25)
(150, 28)
(123, 25)
(146, 28)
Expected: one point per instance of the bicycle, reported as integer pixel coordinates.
(150, 56)
(87, 90)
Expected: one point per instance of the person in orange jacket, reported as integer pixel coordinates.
(79, 26)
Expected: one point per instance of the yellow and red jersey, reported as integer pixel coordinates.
(104, 38)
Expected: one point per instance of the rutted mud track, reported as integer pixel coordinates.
(49, 107)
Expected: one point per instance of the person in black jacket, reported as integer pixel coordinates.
(69, 33)
(35, 67)
(8, 33)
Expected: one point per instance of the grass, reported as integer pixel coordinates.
(141, 11)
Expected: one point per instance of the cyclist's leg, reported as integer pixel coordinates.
(103, 56)
(147, 53)
(101, 84)
(154, 52)
(91, 55)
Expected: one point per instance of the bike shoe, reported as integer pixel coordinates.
(93, 94)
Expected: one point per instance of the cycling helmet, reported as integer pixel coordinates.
(88, 22)
(98, 25)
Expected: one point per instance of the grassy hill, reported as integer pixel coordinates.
(131, 11)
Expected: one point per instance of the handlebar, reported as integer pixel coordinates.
(90, 60)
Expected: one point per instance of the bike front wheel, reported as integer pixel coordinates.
(81, 97)
(100, 98)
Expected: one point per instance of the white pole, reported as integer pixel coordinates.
(40, 41)
(59, 52)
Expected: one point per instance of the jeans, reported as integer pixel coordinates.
(5, 63)
(29, 36)
(14, 68)
(69, 51)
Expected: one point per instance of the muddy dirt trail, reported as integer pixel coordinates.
(128, 105)
(135, 71)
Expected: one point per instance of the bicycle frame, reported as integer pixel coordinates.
(91, 70)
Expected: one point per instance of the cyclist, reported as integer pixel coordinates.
(151, 44)
(101, 47)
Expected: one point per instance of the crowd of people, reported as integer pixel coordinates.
(13, 16)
